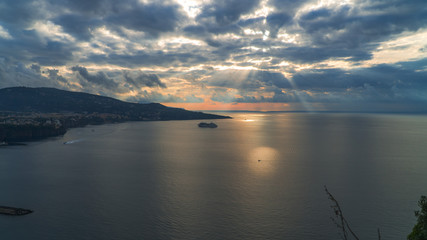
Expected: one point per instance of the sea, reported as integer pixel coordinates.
(259, 175)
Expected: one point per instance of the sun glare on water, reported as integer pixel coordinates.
(262, 160)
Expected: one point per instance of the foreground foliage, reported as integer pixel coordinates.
(419, 232)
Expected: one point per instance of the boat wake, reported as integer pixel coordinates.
(73, 141)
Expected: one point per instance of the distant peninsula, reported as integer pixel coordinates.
(35, 113)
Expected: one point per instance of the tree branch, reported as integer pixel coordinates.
(343, 225)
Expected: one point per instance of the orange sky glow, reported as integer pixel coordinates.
(218, 106)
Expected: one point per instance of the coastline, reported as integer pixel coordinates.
(16, 128)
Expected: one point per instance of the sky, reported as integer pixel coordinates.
(265, 55)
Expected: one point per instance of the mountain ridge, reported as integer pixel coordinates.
(52, 100)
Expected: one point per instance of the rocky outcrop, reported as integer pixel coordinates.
(19, 133)
(14, 211)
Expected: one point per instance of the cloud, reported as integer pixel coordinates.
(380, 83)
(234, 51)
(29, 46)
(384, 83)
(143, 58)
(100, 78)
(5, 34)
(318, 54)
(21, 13)
(227, 12)
(150, 18)
(248, 80)
(54, 74)
(195, 30)
(92, 7)
(154, 96)
(276, 21)
(79, 26)
(288, 5)
(143, 80)
(361, 27)
(383, 77)
(14, 74)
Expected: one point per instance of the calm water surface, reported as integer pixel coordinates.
(173, 180)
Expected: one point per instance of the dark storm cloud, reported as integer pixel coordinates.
(222, 17)
(226, 12)
(283, 15)
(81, 17)
(276, 21)
(153, 96)
(251, 22)
(217, 29)
(143, 58)
(100, 78)
(383, 82)
(195, 30)
(54, 74)
(79, 26)
(382, 77)
(317, 54)
(27, 45)
(207, 30)
(87, 7)
(417, 66)
(52, 53)
(248, 80)
(150, 18)
(20, 13)
(352, 31)
(362, 28)
(143, 80)
(288, 5)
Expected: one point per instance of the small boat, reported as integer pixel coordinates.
(208, 125)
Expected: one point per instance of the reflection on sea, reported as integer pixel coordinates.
(262, 160)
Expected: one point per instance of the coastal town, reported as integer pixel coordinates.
(19, 127)
(35, 119)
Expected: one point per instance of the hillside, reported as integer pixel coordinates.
(51, 100)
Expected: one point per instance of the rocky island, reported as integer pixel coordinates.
(35, 113)
(14, 211)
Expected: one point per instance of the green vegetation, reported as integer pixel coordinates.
(419, 232)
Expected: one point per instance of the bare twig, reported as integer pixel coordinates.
(343, 224)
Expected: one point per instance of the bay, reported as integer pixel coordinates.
(256, 176)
